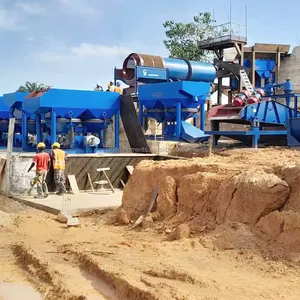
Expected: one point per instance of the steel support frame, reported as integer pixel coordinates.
(255, 132)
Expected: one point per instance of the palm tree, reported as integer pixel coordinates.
(31, 87)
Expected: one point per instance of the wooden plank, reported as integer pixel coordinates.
(91, 182)
(103, 169)
(10, 140)
(117, 175)
(73, 184)
(111, 187)
(92, 169)
(115, 170)
(80, 166)
(130, 169)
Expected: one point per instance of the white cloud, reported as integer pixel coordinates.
(85, 50)
(8, 20)
(31, 9)
(80, 52)
(78, 7)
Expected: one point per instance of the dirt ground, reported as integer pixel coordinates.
(231, 259)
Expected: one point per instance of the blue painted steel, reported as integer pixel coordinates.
(38, 128)
(270, 112)
(263, 67)
(24, 131)
(255, 133)
(4, 118)
(4, 110)
(148, 74)
(172, 102)
(117, 131)
(180, 69)
(264, 70)
(75, 104)
(293, 132)
(266, 113)
(59, 110)
(163, 96)
(202, 116)
(14, 100)
(192, 134)
(178, 119)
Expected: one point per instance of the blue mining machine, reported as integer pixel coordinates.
(264, 114)
(13, 103)
(169, 91)
(76, 119)
(4, 120)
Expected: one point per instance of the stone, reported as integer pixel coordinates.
(122, 217)
(155, 216)
(166, 200)
(147, 222)
(182, 231)
(247, 197)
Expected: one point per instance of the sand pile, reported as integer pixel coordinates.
(207, 193)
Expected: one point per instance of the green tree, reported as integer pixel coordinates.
(29, 87)
(182, 39)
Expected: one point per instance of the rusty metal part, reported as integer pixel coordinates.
(140, 60)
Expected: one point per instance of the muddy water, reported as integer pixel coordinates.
(13, 291)
(105, 292)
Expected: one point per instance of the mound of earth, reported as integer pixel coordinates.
(220, 190)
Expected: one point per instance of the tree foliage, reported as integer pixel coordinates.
(29, 87)
(182, 39)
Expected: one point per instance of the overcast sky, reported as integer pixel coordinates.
(74, 44)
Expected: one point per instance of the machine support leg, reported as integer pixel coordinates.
(53, 127)
(256, 135)
(215, 126)
(101, 136)
(178, 120)
(117, 131)
(202, 117)
(24, 131)
(141, 114)
(38, 128)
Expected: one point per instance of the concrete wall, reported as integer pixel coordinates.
(290, 69)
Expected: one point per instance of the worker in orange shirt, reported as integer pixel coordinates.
(42, 162)
(118, 88)
(59, 164)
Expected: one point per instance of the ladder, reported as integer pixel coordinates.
(246, 82)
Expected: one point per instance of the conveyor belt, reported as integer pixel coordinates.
(132, 126)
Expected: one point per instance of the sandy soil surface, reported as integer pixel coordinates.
(100, 260)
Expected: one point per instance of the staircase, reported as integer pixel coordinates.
(246, 82)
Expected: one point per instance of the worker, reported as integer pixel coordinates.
(42, 162)
(98, 88)
(118, 88)
(59, 164)
(110, 87)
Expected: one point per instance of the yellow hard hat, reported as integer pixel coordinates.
(41, 145)
(56, 144)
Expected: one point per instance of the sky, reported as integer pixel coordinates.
(74, 44)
